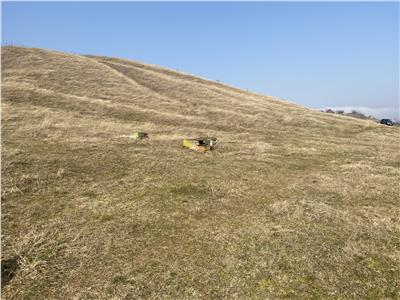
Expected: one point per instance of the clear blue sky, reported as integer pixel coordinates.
(330, 54)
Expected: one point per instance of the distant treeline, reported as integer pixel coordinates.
(353, 113)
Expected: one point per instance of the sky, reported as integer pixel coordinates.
(317, 54)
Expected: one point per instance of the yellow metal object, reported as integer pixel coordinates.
(193, 145)
(199, 145)
(189, 143)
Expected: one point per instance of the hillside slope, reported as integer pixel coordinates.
(293, 204)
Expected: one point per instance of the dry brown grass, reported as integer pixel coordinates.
(293, 203)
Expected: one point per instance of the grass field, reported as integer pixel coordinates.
(293, 203)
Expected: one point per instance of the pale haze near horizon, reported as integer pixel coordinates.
(320, 55)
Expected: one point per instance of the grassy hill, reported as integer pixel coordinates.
(294, 203)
